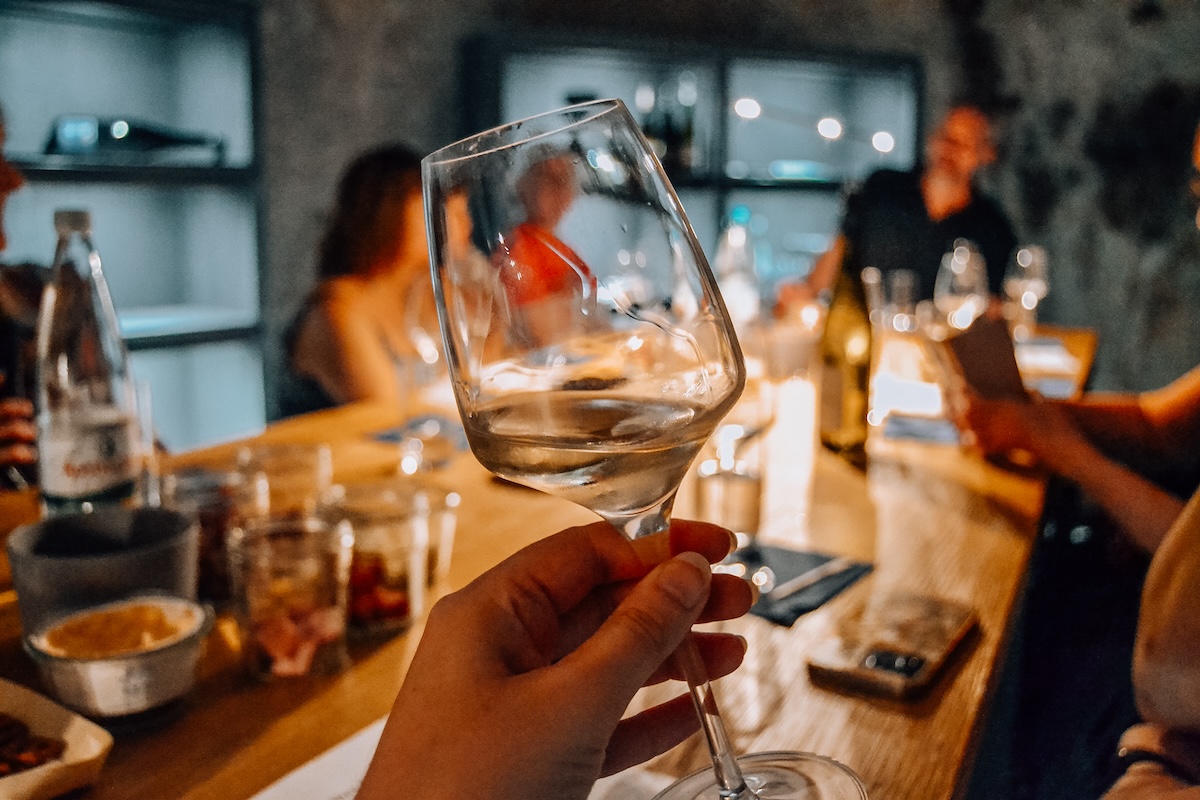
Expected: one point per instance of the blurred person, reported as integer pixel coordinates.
(1110, 445)
(1136, 455)
(520, 680)
(909, 220)
(1161, 754)
(355, 330)
(20, 295)
(545, 282)
(1122, 467)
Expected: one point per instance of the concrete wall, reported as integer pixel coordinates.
(1097, 100)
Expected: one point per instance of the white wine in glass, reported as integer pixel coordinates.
(589, 350)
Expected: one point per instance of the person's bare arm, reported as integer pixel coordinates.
(340, 350)
(1161, 427)
(823, 276)
(1048, 430)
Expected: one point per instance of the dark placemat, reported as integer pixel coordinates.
(788, 564)
(920, 429)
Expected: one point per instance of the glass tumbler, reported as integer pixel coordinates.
(290, 580)
(220, 501)
(391, 548)
(298, 476)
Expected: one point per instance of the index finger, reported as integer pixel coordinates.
(568, 565)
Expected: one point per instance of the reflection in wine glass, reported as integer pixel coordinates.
(597, 357)
(960, 290)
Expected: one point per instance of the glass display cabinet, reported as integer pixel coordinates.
(144, 113)
(776, 136)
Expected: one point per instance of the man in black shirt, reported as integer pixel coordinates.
(909, 220)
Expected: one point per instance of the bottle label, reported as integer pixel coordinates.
(89, 456)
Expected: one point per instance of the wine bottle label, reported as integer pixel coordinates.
(88, 457)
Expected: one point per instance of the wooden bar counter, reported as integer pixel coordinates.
(931, 518)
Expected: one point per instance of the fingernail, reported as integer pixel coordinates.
(685, 577)
(733, 542)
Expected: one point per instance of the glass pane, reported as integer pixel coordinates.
(789, 229)
(176, 258)
(807, 121)
(117, 64)
(203, 394)
(676, 102)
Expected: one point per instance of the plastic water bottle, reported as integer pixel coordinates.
(88, 443)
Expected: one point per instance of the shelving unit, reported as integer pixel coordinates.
(177, 229)
(778, 165)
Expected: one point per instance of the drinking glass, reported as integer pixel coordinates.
(290, 580)
(590, 352)
(1025, 286)
(298, 475)
(960, 290)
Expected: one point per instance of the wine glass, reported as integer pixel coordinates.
(590, 352)
(960, 290)
(1025, 286)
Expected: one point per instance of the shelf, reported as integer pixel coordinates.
(176, 325)
(61, 170)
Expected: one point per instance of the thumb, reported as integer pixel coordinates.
(643, 631)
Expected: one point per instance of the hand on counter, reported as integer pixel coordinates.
(18, 434)
(520, 680)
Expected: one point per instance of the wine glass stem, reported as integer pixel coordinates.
(648, 530)
(728, 774)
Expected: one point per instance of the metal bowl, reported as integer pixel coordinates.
(128, 683)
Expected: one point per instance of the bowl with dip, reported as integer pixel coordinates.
(124, 657)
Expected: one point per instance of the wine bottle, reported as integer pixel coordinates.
(87, 430)
(846, 370)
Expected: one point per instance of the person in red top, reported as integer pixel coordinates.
(546, 282)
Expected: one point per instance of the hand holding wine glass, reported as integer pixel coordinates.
(601, 625)
(595, 357)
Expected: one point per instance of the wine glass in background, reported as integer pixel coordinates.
(960, 290)
(428, 439)
(591, 355)
(1025, 286)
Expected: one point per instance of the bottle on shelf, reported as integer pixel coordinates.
(846, 349)
(669, 122)
(88, 441)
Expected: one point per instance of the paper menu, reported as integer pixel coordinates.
(337, 773)
(333, 775)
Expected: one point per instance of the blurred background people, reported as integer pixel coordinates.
(20, 295)
(909, 220)
(374, 306)
(545, 281)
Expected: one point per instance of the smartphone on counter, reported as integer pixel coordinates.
(892, 644)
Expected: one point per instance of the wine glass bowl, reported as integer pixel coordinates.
(591, 354)
(1025, 286)
(960, 290)
(589, 350)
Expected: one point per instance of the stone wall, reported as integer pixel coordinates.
(1096, 101)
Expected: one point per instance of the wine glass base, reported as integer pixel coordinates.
(776, 776)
